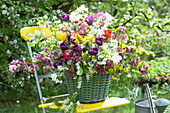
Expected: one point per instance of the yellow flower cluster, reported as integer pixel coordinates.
(79, 39)
(140, 50)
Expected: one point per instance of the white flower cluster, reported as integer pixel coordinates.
(79, 13)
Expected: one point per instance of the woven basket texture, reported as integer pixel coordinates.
(95, 90)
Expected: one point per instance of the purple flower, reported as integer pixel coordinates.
(72, 41)
(81, 32)
(124, 37)
(113, 36)
(76, 47)
(109, 63)
(99, 40)
(56, 64)
(63, 46)
(83, 26)
(70, 73)
(89, 20)
(94, 51)
(65, 17)
(69, 38)
(120, 29)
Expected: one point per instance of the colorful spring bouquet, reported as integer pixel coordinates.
(83, 44)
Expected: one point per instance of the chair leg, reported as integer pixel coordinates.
(36, 77)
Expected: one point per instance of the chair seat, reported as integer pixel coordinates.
(108, 103)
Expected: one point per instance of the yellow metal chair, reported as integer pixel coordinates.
(112, 102)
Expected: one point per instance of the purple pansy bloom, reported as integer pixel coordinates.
(113, 36)
(56, 64)
(94, 51)
(89, 20)
(76, 47)
(65, 17)
(63, 46)
(99, 40)
(72, 41)
(69, 39)
(121, 54)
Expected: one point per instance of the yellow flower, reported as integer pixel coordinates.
(84, 40)
(92, 40)
(147, 53)
(134, 42)
(114, 78)
(111, 70)
(140, 50)
(83, 54)
(93, 57)
(126, 70)
(62, 36)
(120, 67)
(84, 63)
(107, 72)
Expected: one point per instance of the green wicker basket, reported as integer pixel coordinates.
(95, 90)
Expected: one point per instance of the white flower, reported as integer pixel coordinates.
(66, 100)
(4, 6)
(4, 12)
(8, 52)
(18, 101)
(15, 41)
(78, 103)
(82, 8)
(108, 16)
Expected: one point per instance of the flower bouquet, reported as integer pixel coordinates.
(86, 49)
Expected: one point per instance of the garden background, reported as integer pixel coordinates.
(148, 20)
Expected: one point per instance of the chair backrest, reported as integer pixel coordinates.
(27, 30)
(31, 30)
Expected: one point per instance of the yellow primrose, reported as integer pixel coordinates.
(134, 42)
(147, 53)
(93, 57)
(92, 40)
(84, 63)
(111, 70)
(126, 70)
(83, 54)
(120, 67)
(107, 72)
(114, 78)
(140, 50)
(62, 36)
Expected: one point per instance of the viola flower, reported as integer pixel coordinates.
(56, 64)
(109, 63)
(63, 46)
(107, 34)
(65, 17)
(121, 54)
(94, 51)
(66, 54)
(89, 20)
(124, 37)
(99, 40)
(69, 38)
(76, 47)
